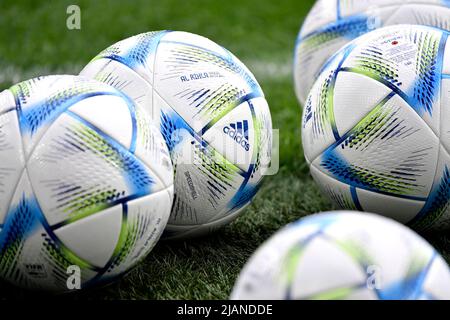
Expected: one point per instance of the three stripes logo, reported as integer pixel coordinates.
(239, 133)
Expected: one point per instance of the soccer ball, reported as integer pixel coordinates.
(332, 24)
(376, 126)
(86, 183)
(212, 113)
(344, 256)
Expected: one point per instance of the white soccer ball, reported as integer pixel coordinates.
(376, 126)
(212, 113)
(86, 183)
(344, 256)
(332, 24)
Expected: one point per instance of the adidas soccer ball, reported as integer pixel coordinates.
(375, 127)
(332, 24)
(344, 256)
(86, 183)
(210, 110)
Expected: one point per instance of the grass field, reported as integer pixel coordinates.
(34, 41)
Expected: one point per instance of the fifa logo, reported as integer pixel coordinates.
(239, 133)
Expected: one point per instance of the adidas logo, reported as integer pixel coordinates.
(238, 132)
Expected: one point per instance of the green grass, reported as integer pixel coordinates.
(34, 41)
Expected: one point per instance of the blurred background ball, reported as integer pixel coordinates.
(344, 255)
(211, 112)
(332, 24)
(376, 126)
(86, 181)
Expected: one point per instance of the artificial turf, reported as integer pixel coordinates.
(34, 41)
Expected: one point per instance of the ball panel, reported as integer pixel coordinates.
(187, 38)
(362, 103)
(445, 113)
(400, 209)
(31, 255)
(7, 101)
(121, 77)
(318, 125)
(391, 151)
(404, 58)
(341, 194)
(152, 150)
(77, 171)
(314, 276)
(137, 53)
(42, 100)
(263, 139)
(143, 222)
(111, 115)
(346, 197)
(436, 212)
(260, 277)
(11, 151)
(446, 63)
(20, 222)
(436, 276)
(80, 236)
(306, 69)
(148, 145)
